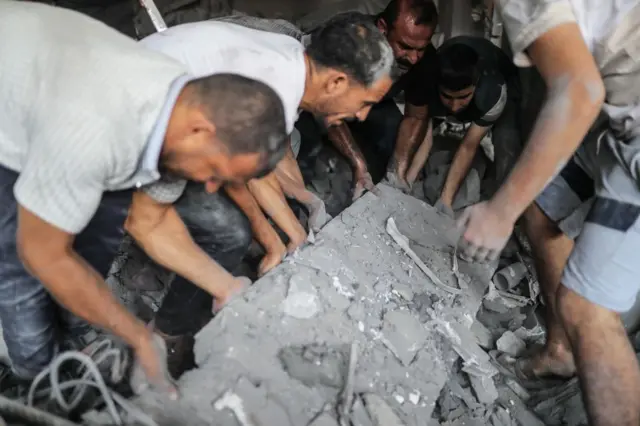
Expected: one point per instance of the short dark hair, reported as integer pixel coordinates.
(425, 11)
(351, 43)
(248, 115)
(458, 67)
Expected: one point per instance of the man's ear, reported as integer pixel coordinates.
(337, 83)
(382, 25)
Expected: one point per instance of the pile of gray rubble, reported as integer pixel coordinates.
(375, 322)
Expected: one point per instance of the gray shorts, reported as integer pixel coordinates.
(595, 201)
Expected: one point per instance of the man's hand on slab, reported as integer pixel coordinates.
(235, 287)
(485, 232)
(363, 182)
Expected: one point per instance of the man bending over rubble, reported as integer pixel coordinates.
(84, 119)
(472, 82)
(408, 26)
(587, 53)
(343, 71)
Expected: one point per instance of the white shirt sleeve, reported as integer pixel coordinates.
(526, 20)
(63, 179)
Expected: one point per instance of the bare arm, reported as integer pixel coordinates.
(340, 136)
(575, 96)
(412, 131)
(462, 162)
(47, 253)
(161, 233)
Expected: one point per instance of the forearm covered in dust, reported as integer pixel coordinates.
(571, 106)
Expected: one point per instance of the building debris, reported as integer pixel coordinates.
(403, 242)
(380, 412)
(404, 335)
(511, 344)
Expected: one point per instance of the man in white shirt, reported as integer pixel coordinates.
(98, 134)
(344, 70)
(587, 52)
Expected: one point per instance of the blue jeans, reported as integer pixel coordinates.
(32, 322)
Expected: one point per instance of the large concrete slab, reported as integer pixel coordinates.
(283, 347)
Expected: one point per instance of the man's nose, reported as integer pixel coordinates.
(363, 113)
(413, 56)
(212, 186)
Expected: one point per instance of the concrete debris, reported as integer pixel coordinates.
(464, 394)
(501, 417)
(403, 291)
(252, 405)
(403, 242)
(324, 419)
(485, 388)
(359, 415)
(316, 364)
(502, 301)
(346, 398)
(484, 337)
(380, 412)
(423, 303)
(404, 335)
(476, 361)
(511, 344)
(302, 297)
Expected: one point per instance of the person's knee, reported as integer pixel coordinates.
(538, 226)
(578, 314)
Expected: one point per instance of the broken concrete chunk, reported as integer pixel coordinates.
(484, 388)
(476, 361)
(511, 344)
(359, 414)
(300, 305)
(404, 335)
(249, 402)
(324, 419)
(316, 364)
(380, 412)
(302, 297)
(403, 291)
(484, 338)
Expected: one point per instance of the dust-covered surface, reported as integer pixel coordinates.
(282, 350)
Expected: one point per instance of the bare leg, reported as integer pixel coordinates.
(262, 230)
(607, 366)
(551, 250)
(268, 193)
(290, 179)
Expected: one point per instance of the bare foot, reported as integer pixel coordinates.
(551, 361)
(318, 216)
(272, 258)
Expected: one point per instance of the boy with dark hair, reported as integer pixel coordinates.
(472, 82)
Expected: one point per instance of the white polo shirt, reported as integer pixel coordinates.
(211, 47)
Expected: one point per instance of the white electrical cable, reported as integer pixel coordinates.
(90, 378)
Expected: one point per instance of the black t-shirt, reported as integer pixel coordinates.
(412, 81)
(497, 83)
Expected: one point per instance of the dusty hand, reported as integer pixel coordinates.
(395, 180)
(444, 208)
(150, 370)
(235, 287)
(318, 216)
(272, 258)
(363, 182)
(486, 232)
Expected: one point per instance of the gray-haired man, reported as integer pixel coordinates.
(80, 123)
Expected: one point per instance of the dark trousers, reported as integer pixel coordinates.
(32, 321)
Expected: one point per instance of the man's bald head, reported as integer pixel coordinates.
(408, 26)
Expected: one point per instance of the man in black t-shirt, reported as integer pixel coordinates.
(408, 26)
(471, 82)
